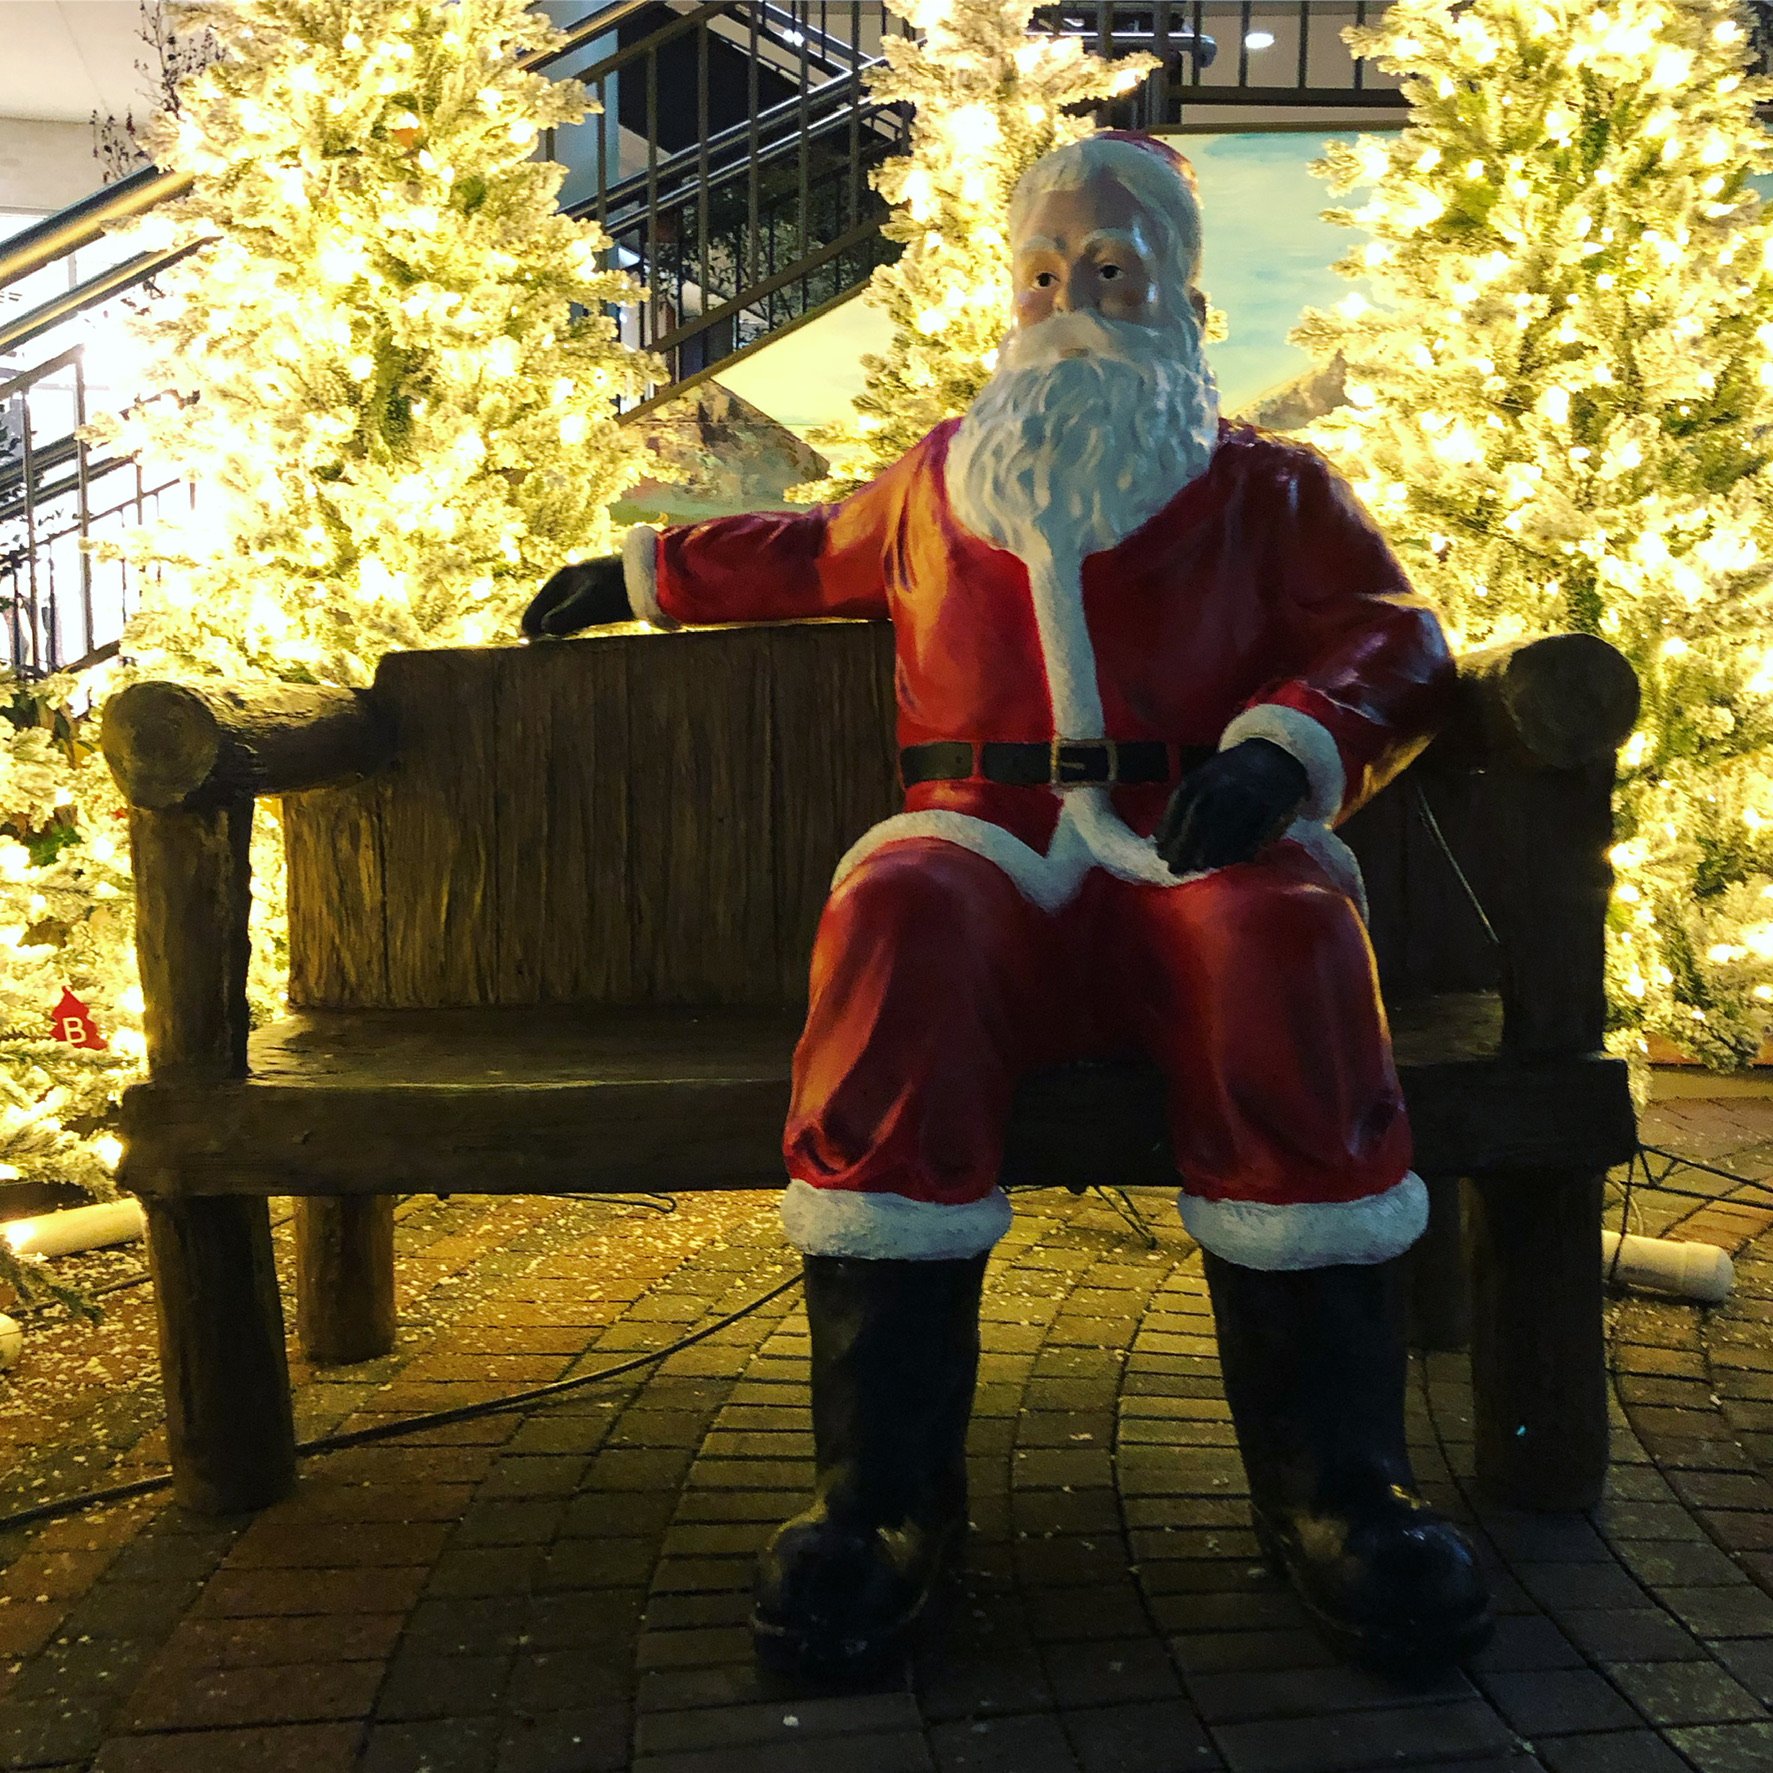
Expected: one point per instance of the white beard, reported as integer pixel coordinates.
(1063, 455)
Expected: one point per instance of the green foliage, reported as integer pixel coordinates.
(1560, 395)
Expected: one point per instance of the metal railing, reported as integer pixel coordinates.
(736, 183)
(61, 608)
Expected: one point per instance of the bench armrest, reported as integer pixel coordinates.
(170, 745)
(1557, 702)
(190, 763)
(1523, 775)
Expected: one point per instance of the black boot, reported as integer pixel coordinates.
(895, 1351)
(1314, 1366)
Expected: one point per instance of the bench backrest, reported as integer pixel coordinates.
(639, 818)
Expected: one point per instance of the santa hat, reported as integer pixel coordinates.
(1160, 178)
(1173, 158)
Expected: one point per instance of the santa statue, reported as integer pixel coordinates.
(1147, 659)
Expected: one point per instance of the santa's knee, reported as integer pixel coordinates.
(922, 887)
(1273, 915)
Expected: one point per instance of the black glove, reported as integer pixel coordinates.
(1231, 806)
(582, 596)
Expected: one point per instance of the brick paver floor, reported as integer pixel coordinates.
(564, 1590)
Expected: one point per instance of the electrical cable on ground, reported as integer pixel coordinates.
(654, 1203)
(385, 1431)
(1631, 1170)
(1673, 1161)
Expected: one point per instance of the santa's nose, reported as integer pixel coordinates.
(1079, 291)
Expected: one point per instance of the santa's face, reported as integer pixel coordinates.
(1086, 250)
(1102, 406)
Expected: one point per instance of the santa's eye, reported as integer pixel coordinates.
(1044, 280)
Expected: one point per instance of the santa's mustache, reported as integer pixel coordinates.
(1088, 335)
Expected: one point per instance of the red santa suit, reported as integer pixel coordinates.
(990, 929)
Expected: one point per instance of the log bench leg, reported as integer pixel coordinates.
(1538, 1351)
(228, 1419)
(345, 1277)
(1440, 1292)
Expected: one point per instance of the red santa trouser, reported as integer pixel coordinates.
(936, 985)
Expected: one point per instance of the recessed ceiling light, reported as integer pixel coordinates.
(1259, 40)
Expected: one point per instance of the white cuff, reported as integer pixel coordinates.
(1316, 1234)
(842, 1222)
(1304, 739)
(640, 573)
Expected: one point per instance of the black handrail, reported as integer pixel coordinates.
(129, 274)
(83, 222)
(830, 108)
(30, 249)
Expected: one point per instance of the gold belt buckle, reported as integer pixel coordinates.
(1070, 772)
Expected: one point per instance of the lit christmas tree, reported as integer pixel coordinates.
(391, 378)
(989, 99)
(395, 423)
(1560, 394)
(70, 1003)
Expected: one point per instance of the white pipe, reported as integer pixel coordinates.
(79, 1228)
(12, 1341)
(1690, 1271)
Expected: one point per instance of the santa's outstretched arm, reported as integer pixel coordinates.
(769, 566)
(1370, 679)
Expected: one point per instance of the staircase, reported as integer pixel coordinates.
(730, 167)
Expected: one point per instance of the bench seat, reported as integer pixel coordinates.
(532, 1101)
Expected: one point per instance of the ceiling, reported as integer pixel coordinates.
(65, 59)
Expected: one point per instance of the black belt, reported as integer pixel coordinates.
(1063, 762)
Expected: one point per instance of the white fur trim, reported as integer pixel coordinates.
(1302, 738)
(1337, 858)
(1112, 845)
(640, 573)
(1048, 881)
(841, 1222)
(1316, 1234)
(1056, 584)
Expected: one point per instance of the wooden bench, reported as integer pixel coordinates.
(549, 916)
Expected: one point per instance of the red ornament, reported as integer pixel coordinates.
(71, 1021)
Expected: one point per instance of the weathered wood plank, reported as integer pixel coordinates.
(1089, 1124)
(338, 936)
(564, 899)
(514, 1100)
(699, 767)
(440, 826)
(539, 1139)
(229, 1425)
(510, 1047)
(345, 1277)
(192, 884)
(836, 768)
